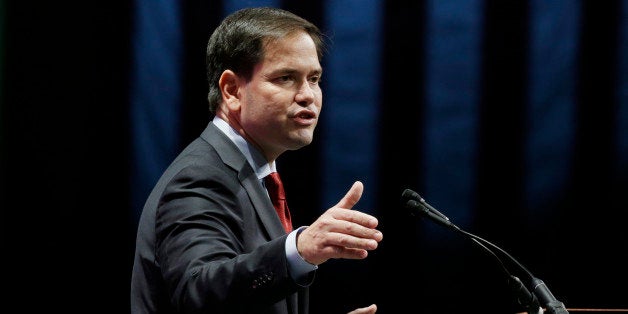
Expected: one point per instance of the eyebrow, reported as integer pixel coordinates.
(293, 71)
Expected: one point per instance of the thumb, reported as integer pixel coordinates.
(352, 197)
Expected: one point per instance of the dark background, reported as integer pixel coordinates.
(530, 159)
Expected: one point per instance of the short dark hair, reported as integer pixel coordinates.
(238, 43)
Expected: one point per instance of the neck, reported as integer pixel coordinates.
(234, 122)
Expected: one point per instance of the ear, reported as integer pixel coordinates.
(229, 84)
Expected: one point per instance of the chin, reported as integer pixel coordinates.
(301, 140)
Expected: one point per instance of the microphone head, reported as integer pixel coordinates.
(409, 194)
(415, 208)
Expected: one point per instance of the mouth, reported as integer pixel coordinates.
(305, 117)
(306, 114)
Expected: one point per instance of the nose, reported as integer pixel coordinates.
(305, 94)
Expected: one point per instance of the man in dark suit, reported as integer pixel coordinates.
(209, 239)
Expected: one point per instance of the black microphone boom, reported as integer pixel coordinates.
(540, 292)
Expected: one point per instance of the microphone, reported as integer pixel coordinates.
(420, 209)
(409, 194)
(530, 301)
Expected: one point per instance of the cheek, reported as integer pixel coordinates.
(262, 110)
(319, 100)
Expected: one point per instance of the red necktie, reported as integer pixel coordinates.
(278, 197)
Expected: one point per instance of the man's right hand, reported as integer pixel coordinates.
(340, 232)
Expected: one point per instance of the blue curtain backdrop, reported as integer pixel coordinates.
(509, 117)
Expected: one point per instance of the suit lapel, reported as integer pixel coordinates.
(232, 157)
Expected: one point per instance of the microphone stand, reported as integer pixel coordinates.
(525, 299)
(532, 302)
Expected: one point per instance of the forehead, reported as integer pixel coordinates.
(295, 49)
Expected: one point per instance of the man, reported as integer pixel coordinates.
(209, 239)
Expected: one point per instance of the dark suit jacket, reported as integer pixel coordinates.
(209, 240)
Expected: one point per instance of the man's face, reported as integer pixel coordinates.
(280, 105)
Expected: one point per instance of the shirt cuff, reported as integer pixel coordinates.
(298, 267)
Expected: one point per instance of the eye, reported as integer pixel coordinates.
(284, 79)
(316, 79)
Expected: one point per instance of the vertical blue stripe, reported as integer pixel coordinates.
(348, 126)
(231, 6)
(622, 91)
(453, 75)
(155, 92)
(551, 111)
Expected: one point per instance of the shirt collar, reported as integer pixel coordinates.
(255, 158)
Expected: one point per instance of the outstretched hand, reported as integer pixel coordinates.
(340, 232)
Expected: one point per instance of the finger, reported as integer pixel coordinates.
(364, 310)
(347, 253)
(345, 241)
(360, 228)
(352, 197)
(353, 217)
